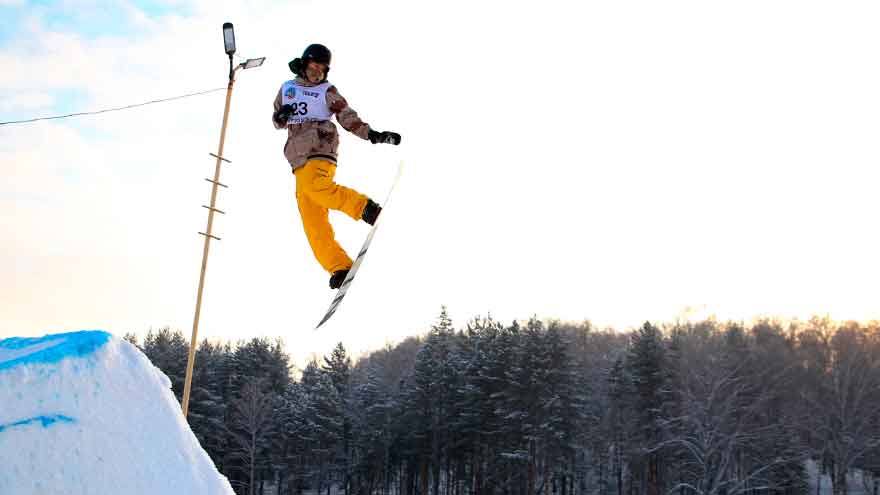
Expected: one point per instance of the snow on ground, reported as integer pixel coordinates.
(85, 412)
(857, 482)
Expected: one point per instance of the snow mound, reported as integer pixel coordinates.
(85, 412)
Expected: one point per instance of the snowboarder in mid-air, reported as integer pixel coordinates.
(304, 107)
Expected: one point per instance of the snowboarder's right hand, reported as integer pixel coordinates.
(282, 114)
(386, 137)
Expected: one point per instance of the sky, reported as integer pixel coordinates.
(607, 161)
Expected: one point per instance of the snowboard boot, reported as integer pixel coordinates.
(371, 212)
(337, 278)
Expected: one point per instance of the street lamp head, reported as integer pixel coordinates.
(228, 38)
(253, 62)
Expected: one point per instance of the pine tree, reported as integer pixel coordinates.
(429, 402)
(290, 439)
(645, 363)
(263, 359)
(478, 421)
(563, 428)
(324, 420)
(168, 350)
(373, 422)
(207, 406)
(337, 366)
(620, 420)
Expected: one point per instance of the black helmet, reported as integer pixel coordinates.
(314, 52)
(318, 53)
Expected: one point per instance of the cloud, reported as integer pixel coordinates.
(26, 100)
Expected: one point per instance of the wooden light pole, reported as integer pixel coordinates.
(229, 41)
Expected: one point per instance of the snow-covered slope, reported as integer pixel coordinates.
(85, 412)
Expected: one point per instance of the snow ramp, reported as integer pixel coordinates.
(87, 413)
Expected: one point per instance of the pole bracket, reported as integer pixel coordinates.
(219, 157)
(215, 182)
(209, 235)
(214, 209)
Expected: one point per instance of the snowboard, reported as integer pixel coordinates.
(346, 284)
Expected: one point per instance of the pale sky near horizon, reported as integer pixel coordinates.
(612, 161)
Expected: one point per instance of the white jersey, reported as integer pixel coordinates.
(309, 102)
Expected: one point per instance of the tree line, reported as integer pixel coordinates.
(538, 408)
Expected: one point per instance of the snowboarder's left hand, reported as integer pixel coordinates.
(386, 137)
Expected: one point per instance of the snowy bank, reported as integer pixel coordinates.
(85, 412)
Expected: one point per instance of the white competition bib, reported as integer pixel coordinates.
(309, 102)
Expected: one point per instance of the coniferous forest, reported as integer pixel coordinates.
(538, 408)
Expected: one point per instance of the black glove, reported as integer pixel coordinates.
(282, 114)
(384, 137)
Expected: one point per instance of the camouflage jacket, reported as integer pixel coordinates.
(310, 139)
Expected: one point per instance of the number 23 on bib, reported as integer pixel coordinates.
(309, 103)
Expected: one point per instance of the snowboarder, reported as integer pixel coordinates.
(304, 107)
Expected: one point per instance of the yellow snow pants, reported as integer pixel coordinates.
(315, 194)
